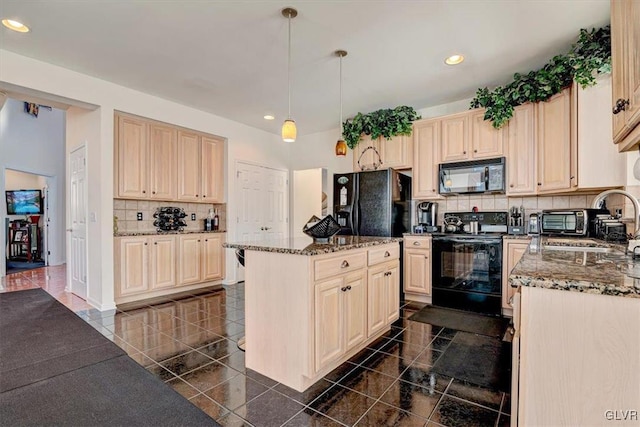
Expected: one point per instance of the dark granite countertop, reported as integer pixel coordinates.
(162, 233)
(305, 245)
(572, 269)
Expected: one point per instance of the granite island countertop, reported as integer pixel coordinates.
(162, 233)
(606, 273)
(305, 245)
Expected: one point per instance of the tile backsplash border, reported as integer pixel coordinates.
(126, 210)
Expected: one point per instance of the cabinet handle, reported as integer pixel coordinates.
(573, 177)
(345, 264)
(416, 243)
(539, 183)
(349, 287)
(386, 254)
(344, 289)
(621, 105)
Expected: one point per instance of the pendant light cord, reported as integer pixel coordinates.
(341, 131)
(289, 69)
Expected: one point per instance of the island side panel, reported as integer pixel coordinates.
(279, 316)
(579, 357)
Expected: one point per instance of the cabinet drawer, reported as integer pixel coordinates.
(343, 263)
(417, 242)
(384, 253)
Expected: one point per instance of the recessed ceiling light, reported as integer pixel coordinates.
(454, 60)
(269, 117)
(15, 25)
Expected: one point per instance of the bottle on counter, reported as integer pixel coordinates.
(216, 221)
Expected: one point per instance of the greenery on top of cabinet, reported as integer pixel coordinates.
(386, 122)
(589, 55)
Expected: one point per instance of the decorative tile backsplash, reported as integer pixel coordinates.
(126, 212)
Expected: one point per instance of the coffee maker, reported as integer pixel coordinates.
(427, 216)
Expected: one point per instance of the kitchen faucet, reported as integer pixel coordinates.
(597, 203)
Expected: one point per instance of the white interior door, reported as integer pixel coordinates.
(263, 204)
(77, 264)
(45, 224)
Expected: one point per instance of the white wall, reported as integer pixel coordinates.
(243, 143)
(36, 145)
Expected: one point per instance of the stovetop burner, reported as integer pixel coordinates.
(487, 223)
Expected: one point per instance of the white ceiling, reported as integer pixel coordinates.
(230, 57)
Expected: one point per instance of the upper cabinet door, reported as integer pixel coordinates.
(188, 166)
(619, 65)
(132, 162)
(521, 150)
(212, 169)
(633, 59)
(397, 152)
(454, 145)
(486, 141)
(555, 143)
(426, 134)
(163, 153)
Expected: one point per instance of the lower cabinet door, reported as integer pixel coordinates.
(133, 266)
(355, 310)
(393, 292)
(417, 271)
(329, 321)
(189, 261)
(212, 256)
(163, 262)
(377, 294)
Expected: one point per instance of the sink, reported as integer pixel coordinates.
(598, 249)
(576, 245)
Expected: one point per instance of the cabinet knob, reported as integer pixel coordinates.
(511, 185)
(206, 240)
(144, 192)
(475, 151)
(345, 264)
(433, 190)
(349, 287)
(573, 177)
(343, 289)
(153, 192)
(416, 243)
(621, 105)
(155, 243)
(539, 183)
(145, 243)
(464, 152)
(426, 257)
(196, 195)
(198, 240)
(386, 254)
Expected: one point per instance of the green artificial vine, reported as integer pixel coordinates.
(386, 122)
(591, 54)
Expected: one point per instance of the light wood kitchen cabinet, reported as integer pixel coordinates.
(625, 62)
(396, 153)
(557, 142)
(383, 296)
(144, 263)
(155, 265)
(426, 137)
(417, 268)
(201, 257)
(162, 162)
(132, 156)
(454, 142)
(162, 273)
(132, 266)
(486, 141)
(212, 169)
(189, 182)
(190, 259)
(340, 320)
(512, 251)
(521, 151)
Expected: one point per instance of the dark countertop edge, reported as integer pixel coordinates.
(317, 250)
(168, 233)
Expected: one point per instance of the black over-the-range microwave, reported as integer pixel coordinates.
(479, 176)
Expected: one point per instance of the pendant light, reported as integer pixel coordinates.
(289, 130)
(341, 146)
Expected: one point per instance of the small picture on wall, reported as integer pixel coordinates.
(31, 108)
(17, 237)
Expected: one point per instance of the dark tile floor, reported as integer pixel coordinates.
(191, 344)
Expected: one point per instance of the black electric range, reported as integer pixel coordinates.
(467, 262)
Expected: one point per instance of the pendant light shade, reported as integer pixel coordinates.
(289, 130)
(341, 146)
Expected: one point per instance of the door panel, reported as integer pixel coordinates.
(486, 141)
(134, 265)
(132, 158)
(377, 294)
(417, 271)
(554, 142)
(212, 170)
(188, 166)
(329, 322)
(163, 262)
(426, 140)
(78, 226)
(392, 300)
(212, 256)
(374, 203)
(455, 139)
(521, 151)
(163, 153)
(189, 266)
(355, 310)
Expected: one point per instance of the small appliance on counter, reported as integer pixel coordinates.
(427, 217)
(169, 218)
(571, 222)
(534, 224)
(516, 221)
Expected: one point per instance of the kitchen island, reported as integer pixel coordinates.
(576, 347)
(310, 307)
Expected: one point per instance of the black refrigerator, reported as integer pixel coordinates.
(373, 203)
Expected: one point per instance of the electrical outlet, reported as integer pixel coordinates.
(193, 217)
(139, 216)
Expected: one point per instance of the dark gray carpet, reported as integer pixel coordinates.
(41, 337)
(462, 321)
(116, 392)
(18, 266)
(478, 359)
(55, 369)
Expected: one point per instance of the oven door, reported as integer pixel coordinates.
(467, 273)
